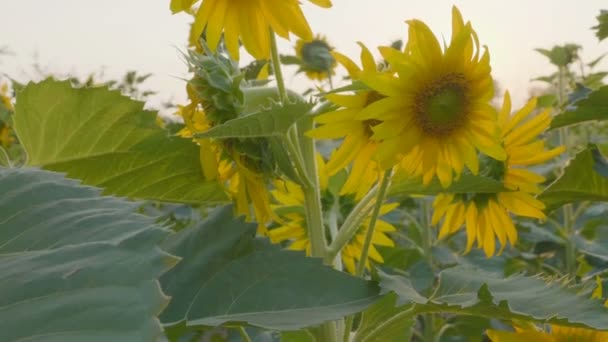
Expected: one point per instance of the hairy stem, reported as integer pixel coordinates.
(568, 214)
(276, 68)
(372, 223)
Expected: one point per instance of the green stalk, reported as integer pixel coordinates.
(350, 226)
(569, 230)
(314, 215)
(426, 234)
(304, 152)
(352, 223)
(244, 334)
(276, 67)
(372, 223)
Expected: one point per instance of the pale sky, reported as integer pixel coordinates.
(83, 36)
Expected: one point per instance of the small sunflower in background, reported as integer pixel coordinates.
(248, 21)
(487, 217)
(6, 108)
(315, 59)
(438, 101)
(336, 206)
(358, 146)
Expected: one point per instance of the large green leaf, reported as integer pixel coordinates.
(466, 184)
(469, 291)
(275, 121)
(108, 140)
(593, 107)
(580, 182)
(227, 275)
(76, 266)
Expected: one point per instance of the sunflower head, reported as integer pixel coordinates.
(435, 110)
(216, 85)
(487, 217)
(315, 58)
(250, 22)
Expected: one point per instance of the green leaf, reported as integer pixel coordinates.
(76, 266)
(4, 159)
(275, 121)
(466, 184)
(108, 140)
(602, 26)
(469, 291)
(545, 101)
(600, 164)
(228, 276)
(561, 55)
(593, 107)
(580, 182)
(384, 321)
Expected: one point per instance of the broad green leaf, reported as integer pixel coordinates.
(107, 140)
(597, 248)
(580, 182)
(384, 321)
(227, 275)
(4, 159)
(466, 184)
(469, 291)
(275, 121)
(76, 266)
(593, 107)
(602, 26)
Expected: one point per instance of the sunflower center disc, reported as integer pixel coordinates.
(441, 106)
(445, 107)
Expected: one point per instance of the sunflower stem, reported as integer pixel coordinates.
(276, 67)
(351, 223)
(372, 222)
(426, 234)
(568, 215)
(244, 336)
(314, 212)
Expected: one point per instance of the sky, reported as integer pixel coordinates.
(115, 36)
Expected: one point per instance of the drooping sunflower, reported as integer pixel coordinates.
(292, 229)
(358, 146)
(251, 21)
(437, 101)
(487, 217)
(219, 162)
(315, 58)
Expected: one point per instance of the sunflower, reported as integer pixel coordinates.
(315, 58)
(250, 20)
(292, 228)
(556, 334)
(358, 145)
(222, 162)
(438, 101)
(487, 216)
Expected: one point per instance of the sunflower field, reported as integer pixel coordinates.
(401, 197)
